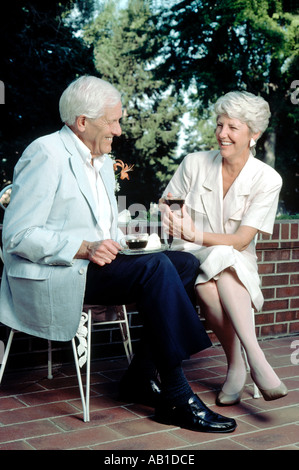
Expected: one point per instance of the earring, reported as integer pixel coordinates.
(252, 142)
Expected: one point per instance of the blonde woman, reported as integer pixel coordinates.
(230, 196)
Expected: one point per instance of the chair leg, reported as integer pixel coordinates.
(88, 358)
(125, 332)
(256, 393)
(126, 341)
(50, 373)
(126, 337)
(6, 353)
(85, 418)
(84, 397)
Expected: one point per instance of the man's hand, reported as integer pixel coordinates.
(101, 252)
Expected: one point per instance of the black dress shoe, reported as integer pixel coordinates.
(195, 415)
(141, 390)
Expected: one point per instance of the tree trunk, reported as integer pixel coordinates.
(269, 146)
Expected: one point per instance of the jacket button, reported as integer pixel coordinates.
(81, 271)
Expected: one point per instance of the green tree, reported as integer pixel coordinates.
(126, 49)
(214, 47)
(40, 56)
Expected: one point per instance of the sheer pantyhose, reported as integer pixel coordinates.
(226, 305)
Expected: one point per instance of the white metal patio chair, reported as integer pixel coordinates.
(82, 351)
(116, 315)
(112, 315)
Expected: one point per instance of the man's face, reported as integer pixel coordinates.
(98, 134)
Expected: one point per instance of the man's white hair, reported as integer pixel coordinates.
(88, 96)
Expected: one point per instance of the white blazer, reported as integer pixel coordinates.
(251, 200)
(51, 212)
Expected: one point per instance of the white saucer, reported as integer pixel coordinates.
(144, 251)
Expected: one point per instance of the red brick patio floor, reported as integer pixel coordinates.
(41, 414)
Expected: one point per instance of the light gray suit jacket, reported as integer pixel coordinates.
(51, 212)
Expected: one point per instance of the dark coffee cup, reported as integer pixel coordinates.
(136, 244)
(175, 200)
(135, 241)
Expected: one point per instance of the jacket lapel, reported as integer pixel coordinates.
(108, 180)
(105, 173)
(212, 199)
(238, 192)
(78, 170)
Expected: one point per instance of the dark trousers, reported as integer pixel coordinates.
(162, 286)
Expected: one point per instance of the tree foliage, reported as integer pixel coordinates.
(211, 48)
(155, 53)
(40, 56)
(126, 48)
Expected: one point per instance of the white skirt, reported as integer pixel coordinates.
(214, 259)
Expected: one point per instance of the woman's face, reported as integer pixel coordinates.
(233, 137)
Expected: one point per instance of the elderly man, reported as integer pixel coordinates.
(61, 249)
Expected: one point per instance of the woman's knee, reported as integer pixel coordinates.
(207, 293)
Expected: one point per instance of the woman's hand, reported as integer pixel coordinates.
(162, 204)
(179, 224)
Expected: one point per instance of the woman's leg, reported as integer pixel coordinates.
(220, 324)
(236, 302)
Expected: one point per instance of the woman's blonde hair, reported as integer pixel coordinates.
(246, 107)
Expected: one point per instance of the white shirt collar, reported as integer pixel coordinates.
(97, 186)
(85, 152)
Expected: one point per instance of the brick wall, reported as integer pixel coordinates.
(278, 264)
(278, 259)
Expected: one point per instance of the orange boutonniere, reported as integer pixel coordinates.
(125, 168)
(123, 173)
